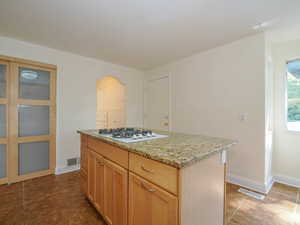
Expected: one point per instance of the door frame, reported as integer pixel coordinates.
(5, 101)
(158, 77)
(124, 100)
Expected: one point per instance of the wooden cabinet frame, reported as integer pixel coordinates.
(5, 101)
(119, 191)
(12, 100)
(107, 188)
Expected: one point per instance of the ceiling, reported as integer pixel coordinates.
(138, 33)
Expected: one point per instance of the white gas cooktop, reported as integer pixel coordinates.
(129, 135)
(132, 139)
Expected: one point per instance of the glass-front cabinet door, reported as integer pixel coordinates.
(3, 121)
(33, 129)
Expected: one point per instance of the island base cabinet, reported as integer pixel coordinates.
(130, 190)
(108, 189)
(203, 201)
(99, 183)
(150, 205)
(83, 165)
(91, 175)
(115, 194)
(83, 156)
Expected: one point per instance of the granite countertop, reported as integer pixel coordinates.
(178, 150)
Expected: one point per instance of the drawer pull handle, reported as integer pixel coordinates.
(148, 189)
(147, 170)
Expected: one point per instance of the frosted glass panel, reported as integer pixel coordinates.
(2, 121)
(2, 81)
(2, 160)
(33, 120)
(33, 157)
(34, 84)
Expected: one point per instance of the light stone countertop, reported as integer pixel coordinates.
(178, 150)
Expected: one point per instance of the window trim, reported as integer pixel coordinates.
(286, 96)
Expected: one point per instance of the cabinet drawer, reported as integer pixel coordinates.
(156, 172)
(110, 152)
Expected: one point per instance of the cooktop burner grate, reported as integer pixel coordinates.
(130, 134)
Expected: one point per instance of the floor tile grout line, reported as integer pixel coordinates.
(235, 211)
(297, 201)
(284, 194)
(296, 207)
(23, 193)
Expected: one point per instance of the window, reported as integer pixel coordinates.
(293, 95)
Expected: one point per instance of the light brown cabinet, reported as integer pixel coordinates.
(129, 189)
(83, 164)
(99, 183)
(115, 192)
(161, 174)
(83, 154)
(107, 188)
(149, 204)
(91, 175)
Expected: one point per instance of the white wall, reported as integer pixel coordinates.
(209, 92)
(269, 115)
(110, 103)
(76, 91)
(286, 144)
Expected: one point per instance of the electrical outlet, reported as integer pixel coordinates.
(243, 117)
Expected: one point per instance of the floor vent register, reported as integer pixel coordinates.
(252, 194)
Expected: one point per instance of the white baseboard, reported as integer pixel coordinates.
(269, 184)
(67, 169)
(291, 181)
(250, 184)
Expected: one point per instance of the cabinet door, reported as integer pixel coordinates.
(115, 194)
(150, 205)
(99, 181)
(91, 175)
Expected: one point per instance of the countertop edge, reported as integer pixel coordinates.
(181, 165)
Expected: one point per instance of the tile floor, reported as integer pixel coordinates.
(280, 207)
(50, 200)
(57, 200)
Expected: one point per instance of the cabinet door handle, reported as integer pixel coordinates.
(148, 189)
(147, 170)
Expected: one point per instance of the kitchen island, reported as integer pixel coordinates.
(178, 180)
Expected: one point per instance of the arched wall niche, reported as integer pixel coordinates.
(111, 104)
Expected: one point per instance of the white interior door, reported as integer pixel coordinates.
(156, 104)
